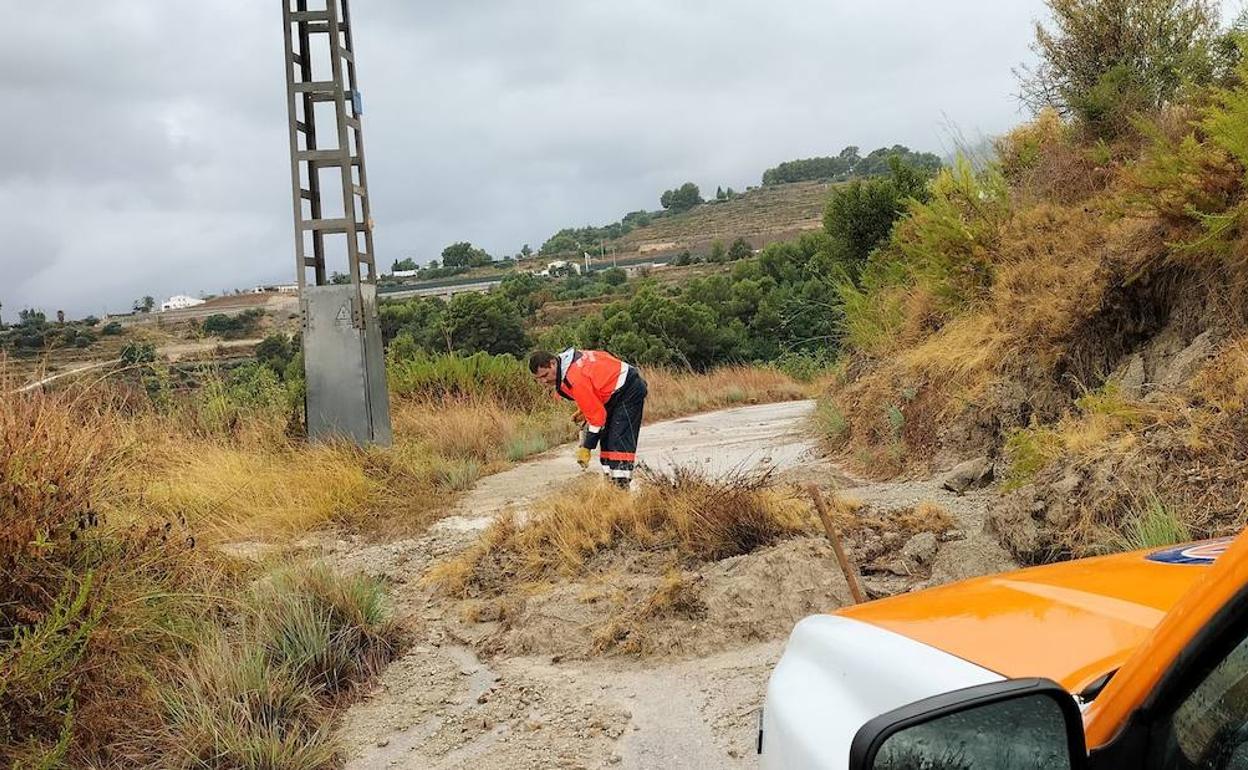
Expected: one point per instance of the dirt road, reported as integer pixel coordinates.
(444, 706)
(770, 434)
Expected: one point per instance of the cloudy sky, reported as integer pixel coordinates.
(145, 149)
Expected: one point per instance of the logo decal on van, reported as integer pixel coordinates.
(1199, 553)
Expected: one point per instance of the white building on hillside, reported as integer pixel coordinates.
(561, 268)
(179, 302)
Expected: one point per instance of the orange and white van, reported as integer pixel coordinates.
(1136, 660)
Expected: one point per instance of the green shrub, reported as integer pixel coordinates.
(874, 311)
(1105, 60)
(251, 394)
(416, 374)
(233, 327)
(39, 668)
(740, 249)
(135, 353)
(1224, 228)
(861, 214)
(276, 352)
(806, 366)
(947, 243)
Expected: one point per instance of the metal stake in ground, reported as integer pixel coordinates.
(829, 528)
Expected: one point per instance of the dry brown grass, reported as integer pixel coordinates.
(675, 394)
(92, 606)
(232, 492)
(254, 482)
(1047, 159)
(260, 484)
(1170, 464)
(114, 617)
(1048, 327)
(110, 498)
(687, 514)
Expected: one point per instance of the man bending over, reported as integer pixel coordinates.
(610, 394)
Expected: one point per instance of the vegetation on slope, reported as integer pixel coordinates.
(783, 306)
(122, 640)
(733, 214)
(1078, 307)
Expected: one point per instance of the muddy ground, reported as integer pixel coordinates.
(549, 682)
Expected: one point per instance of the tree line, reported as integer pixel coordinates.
(849, 164)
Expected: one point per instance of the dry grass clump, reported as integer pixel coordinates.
(1045, 159)
(1222, 385)
(894, 527)
(686, 513)
(232, 710)
(483, 431)
(260, 693)
(122, 640)
(88, 605)
(250, 492)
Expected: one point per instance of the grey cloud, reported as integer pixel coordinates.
(144, 143)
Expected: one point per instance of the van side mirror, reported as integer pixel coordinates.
(1021, 724)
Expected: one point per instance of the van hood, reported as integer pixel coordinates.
(1072, 622)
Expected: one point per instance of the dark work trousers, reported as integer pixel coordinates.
(619, 435)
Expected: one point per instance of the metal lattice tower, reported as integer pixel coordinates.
(308, 157)
(342, 342)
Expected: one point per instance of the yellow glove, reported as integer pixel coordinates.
(582, 456)
(578, 418)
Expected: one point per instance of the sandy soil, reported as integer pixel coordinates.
(512, 688)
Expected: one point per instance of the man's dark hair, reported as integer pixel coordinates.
(540, 359)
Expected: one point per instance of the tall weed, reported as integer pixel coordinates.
(501, 379)
(1153, 524)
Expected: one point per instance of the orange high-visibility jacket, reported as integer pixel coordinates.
(590, 378)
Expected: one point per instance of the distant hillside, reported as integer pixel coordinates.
(790, 201)
(761, 216)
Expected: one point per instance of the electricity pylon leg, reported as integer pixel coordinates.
(342, 347)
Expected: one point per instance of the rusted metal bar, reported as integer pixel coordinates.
(829, 528)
